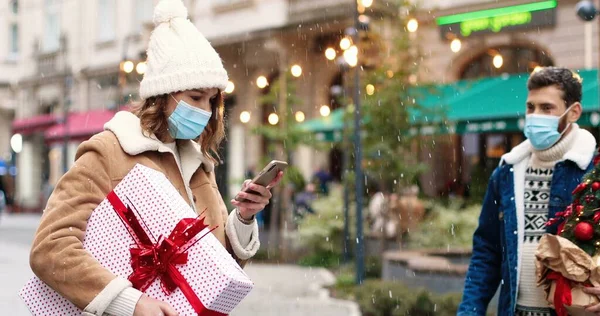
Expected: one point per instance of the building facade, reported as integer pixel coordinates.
(65, 76)
(460, 41)
(62, 78)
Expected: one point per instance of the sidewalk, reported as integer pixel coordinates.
(292, 291)
(279, 289)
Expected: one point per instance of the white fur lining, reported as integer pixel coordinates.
(580, 153)
(101, 302)
(244, 250)
(519, 171)
(126, 127)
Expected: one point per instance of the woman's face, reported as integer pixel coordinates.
(199, 98)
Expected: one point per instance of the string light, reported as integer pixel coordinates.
(366, 3)
(345, 43)
(273, 118)
(230, 87)
(245, 117)
(141, 68)
(325, 110)
(330, 53)
(498, 61)
(370, 89)
(455, 45)
(412, 25)
(300, 117)
(296, 71)
(262, 82)
(128, 66)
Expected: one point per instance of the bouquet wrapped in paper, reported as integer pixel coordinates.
(146, 232)
(570, 261)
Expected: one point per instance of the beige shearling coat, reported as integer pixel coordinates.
(58, 257)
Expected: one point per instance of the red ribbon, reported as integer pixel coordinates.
(562, 293)
(151, 260)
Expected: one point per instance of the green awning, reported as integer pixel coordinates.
(488, 105)
(328, 128)
(334, 121)
(492, 104)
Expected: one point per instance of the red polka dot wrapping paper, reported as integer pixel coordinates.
(211, 271)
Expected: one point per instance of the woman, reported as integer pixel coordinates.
(176, 131)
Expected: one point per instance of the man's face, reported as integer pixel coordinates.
(549, 101)
(546, 101)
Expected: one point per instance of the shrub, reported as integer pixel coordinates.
(294, 177)
(383, 298)
(446, 227)
(322, 234)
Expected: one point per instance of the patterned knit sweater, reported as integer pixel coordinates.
(538, 181)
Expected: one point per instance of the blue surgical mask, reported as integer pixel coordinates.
(187, 122)
(542, 130)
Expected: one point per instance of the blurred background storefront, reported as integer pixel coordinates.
(59, 84)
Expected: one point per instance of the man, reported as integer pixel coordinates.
(533, 182)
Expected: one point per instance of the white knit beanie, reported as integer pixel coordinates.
(179, 56)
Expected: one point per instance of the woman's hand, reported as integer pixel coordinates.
(148, 306)
(257, 200)
(594, 291)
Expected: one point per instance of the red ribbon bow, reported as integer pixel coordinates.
(151, 260)
(562, 293)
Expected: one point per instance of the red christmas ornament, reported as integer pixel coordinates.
(579, 209)
(596, 217)
(584, 231)
(596, 186)
(580, 188)
(590, 199)
(568, 212)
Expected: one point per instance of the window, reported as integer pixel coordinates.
(14, 40)
(228, 5)
(106, 20)
(225, 2)
(505, 59)
(14, 6)
(51, 40)
(143, 14)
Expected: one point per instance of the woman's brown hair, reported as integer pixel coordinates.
(153, 119)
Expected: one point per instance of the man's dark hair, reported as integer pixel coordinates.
(566, 80)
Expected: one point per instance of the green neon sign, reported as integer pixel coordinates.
(536, 14)
(492, 13)
(494, 24)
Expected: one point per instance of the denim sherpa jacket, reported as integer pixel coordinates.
(498, 240)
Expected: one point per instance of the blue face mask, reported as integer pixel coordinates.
(542, 130)
(187, 122)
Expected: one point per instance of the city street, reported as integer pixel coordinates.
(279, 289)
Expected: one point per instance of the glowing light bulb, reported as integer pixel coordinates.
(412, 25)
(273, 119)
(296, 71)
(330, 53)
(262, 82)
(245, 117)
(455, 45)
(325, 110)
(230, 87)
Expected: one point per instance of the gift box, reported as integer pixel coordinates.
(142, 219)
(563, 270)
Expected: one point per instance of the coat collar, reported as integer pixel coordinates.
(580, 153)
(126, 127)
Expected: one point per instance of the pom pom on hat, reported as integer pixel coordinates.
(166, 10)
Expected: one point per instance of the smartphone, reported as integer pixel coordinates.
(266, 176)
